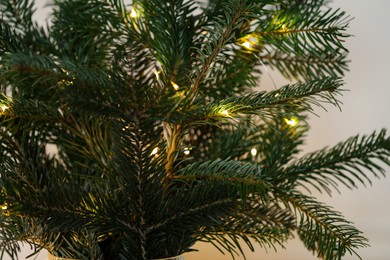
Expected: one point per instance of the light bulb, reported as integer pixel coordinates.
(186, 151)
(253, 151)
(224, 113)
(284, 28)
(250, 41)
(65, 71)
(155, 151)
(3, 107)
(248, 45)
(291, 121)
(281, 24)
(157, 74)
(133, 13)
(126, 128)
(175, 86)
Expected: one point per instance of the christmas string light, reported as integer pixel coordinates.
(157, 74)
(253, 151)
(284, 28)
(281, 24)
(4, 108)
(186, 151)
(4, 206)
(250, 41)
(248, 44)
(4, 103)
(125, 128)
(65, 71)
(175, 86)
(4, 209)
(291, 121)
(66, 82)
(180, 93)
(224, 113)
(133, 13)
(155, 151)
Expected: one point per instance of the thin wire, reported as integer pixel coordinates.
(266, 69)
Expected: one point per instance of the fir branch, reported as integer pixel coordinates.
(347, 163)
(325, 28)
(231, 75)
(247, 177)
(10, 41)
(222, 34)
(271, 157)
(322, 229)
(13, 236)
(289, 100)
(306, 65)
(172, 52)
(86, 139)
(231, 241)
(89, 27)
(229, 141)
(27, 111)
(18, 13)
(18, 31)
(189, 212)
(266, 225)
(305, 32)
(299, 96)
(105, 88)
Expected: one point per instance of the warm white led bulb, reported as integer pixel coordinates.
(291, 121)
(155, 151)
(250, 41)
(186, 151)
(175, 86)
(157, 74)
(247, 45)
(133, 13)
(254, 151)
(224, 113)
(3, 107)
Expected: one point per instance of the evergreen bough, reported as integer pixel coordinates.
(133, 131)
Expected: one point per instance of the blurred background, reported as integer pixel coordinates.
(366, 107)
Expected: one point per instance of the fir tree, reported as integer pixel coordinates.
(161, 138)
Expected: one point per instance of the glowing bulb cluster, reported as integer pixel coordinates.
(126, 128)
(186, 151)
(4, 209)
(66, 82)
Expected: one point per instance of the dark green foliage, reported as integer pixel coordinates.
(131, 132)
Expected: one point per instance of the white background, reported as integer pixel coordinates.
(366, 108)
